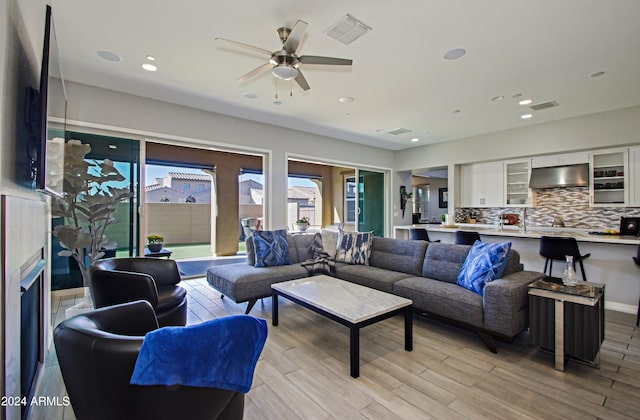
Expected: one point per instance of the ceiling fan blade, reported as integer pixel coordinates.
(261, 69)
(314, 59)
(302, 81)
(294, 38)
(240, 44)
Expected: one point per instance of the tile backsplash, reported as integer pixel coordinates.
(572, 204)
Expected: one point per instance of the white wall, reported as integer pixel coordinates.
(594, 131)
(151, 118)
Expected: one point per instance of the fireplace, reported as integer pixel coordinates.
(25, 301)
(31, 328)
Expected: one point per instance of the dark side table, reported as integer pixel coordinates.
(569, 320)
(164, 252)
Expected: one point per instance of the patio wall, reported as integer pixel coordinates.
(179, 223)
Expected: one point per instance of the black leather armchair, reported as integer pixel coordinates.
(97, 352)
(120, 280)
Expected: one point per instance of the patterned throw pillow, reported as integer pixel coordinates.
(354, 247)
(271, 247)
(482, 265)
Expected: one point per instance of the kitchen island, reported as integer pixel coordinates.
(610, 262)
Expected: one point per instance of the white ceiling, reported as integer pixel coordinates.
(544, 50)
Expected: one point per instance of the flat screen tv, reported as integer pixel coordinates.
(46, 156)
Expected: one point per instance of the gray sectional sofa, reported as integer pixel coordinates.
(425, 272)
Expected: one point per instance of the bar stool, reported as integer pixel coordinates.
(467, 237)
(420, 234)
(557, 248)
(637, 261)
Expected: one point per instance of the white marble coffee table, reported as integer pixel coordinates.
(347, 303)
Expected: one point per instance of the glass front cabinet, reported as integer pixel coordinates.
(516, 189)
(609, 178)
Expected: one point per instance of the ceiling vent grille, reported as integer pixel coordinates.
(347, 29)
(544, 105)
(398, 131)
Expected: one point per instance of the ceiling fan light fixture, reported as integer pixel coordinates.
(284, 72)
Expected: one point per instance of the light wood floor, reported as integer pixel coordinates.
(304, 371)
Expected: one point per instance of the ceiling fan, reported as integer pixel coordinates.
(285, 63)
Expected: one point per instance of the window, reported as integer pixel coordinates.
(200, 187)
(186, 186)
(350, 199)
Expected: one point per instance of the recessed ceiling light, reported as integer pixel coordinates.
(109, 56)
(525, 102)
(516, 95)
(149, 67)
(277, 103)
(415, 140)
(456, 111)
(346, 99)
(596, 74)
(497, 98)
(250, 95)
(526, 116)
(113, 146)
(151, 58)
(454, 54)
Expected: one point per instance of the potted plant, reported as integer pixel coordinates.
(302, 224)
(155, 243)
(87, 205)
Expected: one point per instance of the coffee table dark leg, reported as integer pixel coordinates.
(354, 351)
(408, 329)
(274, 309)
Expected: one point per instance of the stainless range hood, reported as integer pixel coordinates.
(560, 176)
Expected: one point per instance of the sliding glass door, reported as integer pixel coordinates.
(123, 235)
(371, 200)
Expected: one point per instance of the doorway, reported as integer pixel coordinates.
(430, 194)
(178, 205)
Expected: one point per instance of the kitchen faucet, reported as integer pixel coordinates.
(501, 220)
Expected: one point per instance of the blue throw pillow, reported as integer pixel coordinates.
(354, 247)
(271, 247)
(484, 263)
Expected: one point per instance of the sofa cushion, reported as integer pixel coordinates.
(329, 242)
(513, 263)
(271, 248)
(442, 298)
(354, 247)
(444, 261)
(401, 255)
(242, 282)
(484, 263)
(251, 252)
(303, 245)
(366, 275)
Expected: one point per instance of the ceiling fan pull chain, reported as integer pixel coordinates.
(291, 87)
(276, 88)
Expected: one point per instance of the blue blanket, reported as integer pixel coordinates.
(221, 353)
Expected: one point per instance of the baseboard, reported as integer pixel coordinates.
(620, 307)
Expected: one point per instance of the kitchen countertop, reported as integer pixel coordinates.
(534, 232)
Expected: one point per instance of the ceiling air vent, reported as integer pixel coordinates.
(347, 29)
(544, 105)
(399, 131)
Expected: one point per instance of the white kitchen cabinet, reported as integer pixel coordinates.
(573, 158)
(609, 178)
(482, 184)
(516, 183)
(559, 160)
(634, 179)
